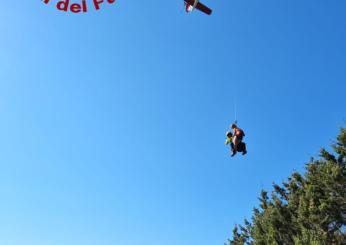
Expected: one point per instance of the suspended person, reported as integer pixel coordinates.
(237, 139)
(229, 141)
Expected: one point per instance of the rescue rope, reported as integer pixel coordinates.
(235, 110)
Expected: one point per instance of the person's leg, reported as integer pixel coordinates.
(232, 149)
(240, 147)
(235, 142)
(244, 150)
(235, 147)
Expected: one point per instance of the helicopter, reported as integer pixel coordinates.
(191, 5)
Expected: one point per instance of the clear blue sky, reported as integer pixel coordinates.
(112, 122)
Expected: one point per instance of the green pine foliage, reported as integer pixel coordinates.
(306, 209)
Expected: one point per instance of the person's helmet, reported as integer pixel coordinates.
(234, 125)
(229, 133)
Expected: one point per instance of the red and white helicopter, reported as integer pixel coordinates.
(190, 5)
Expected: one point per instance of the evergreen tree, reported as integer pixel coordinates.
(306, 209)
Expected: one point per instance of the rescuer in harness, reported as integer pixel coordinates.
(236, 140)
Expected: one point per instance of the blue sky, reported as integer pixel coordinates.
(112, 122)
